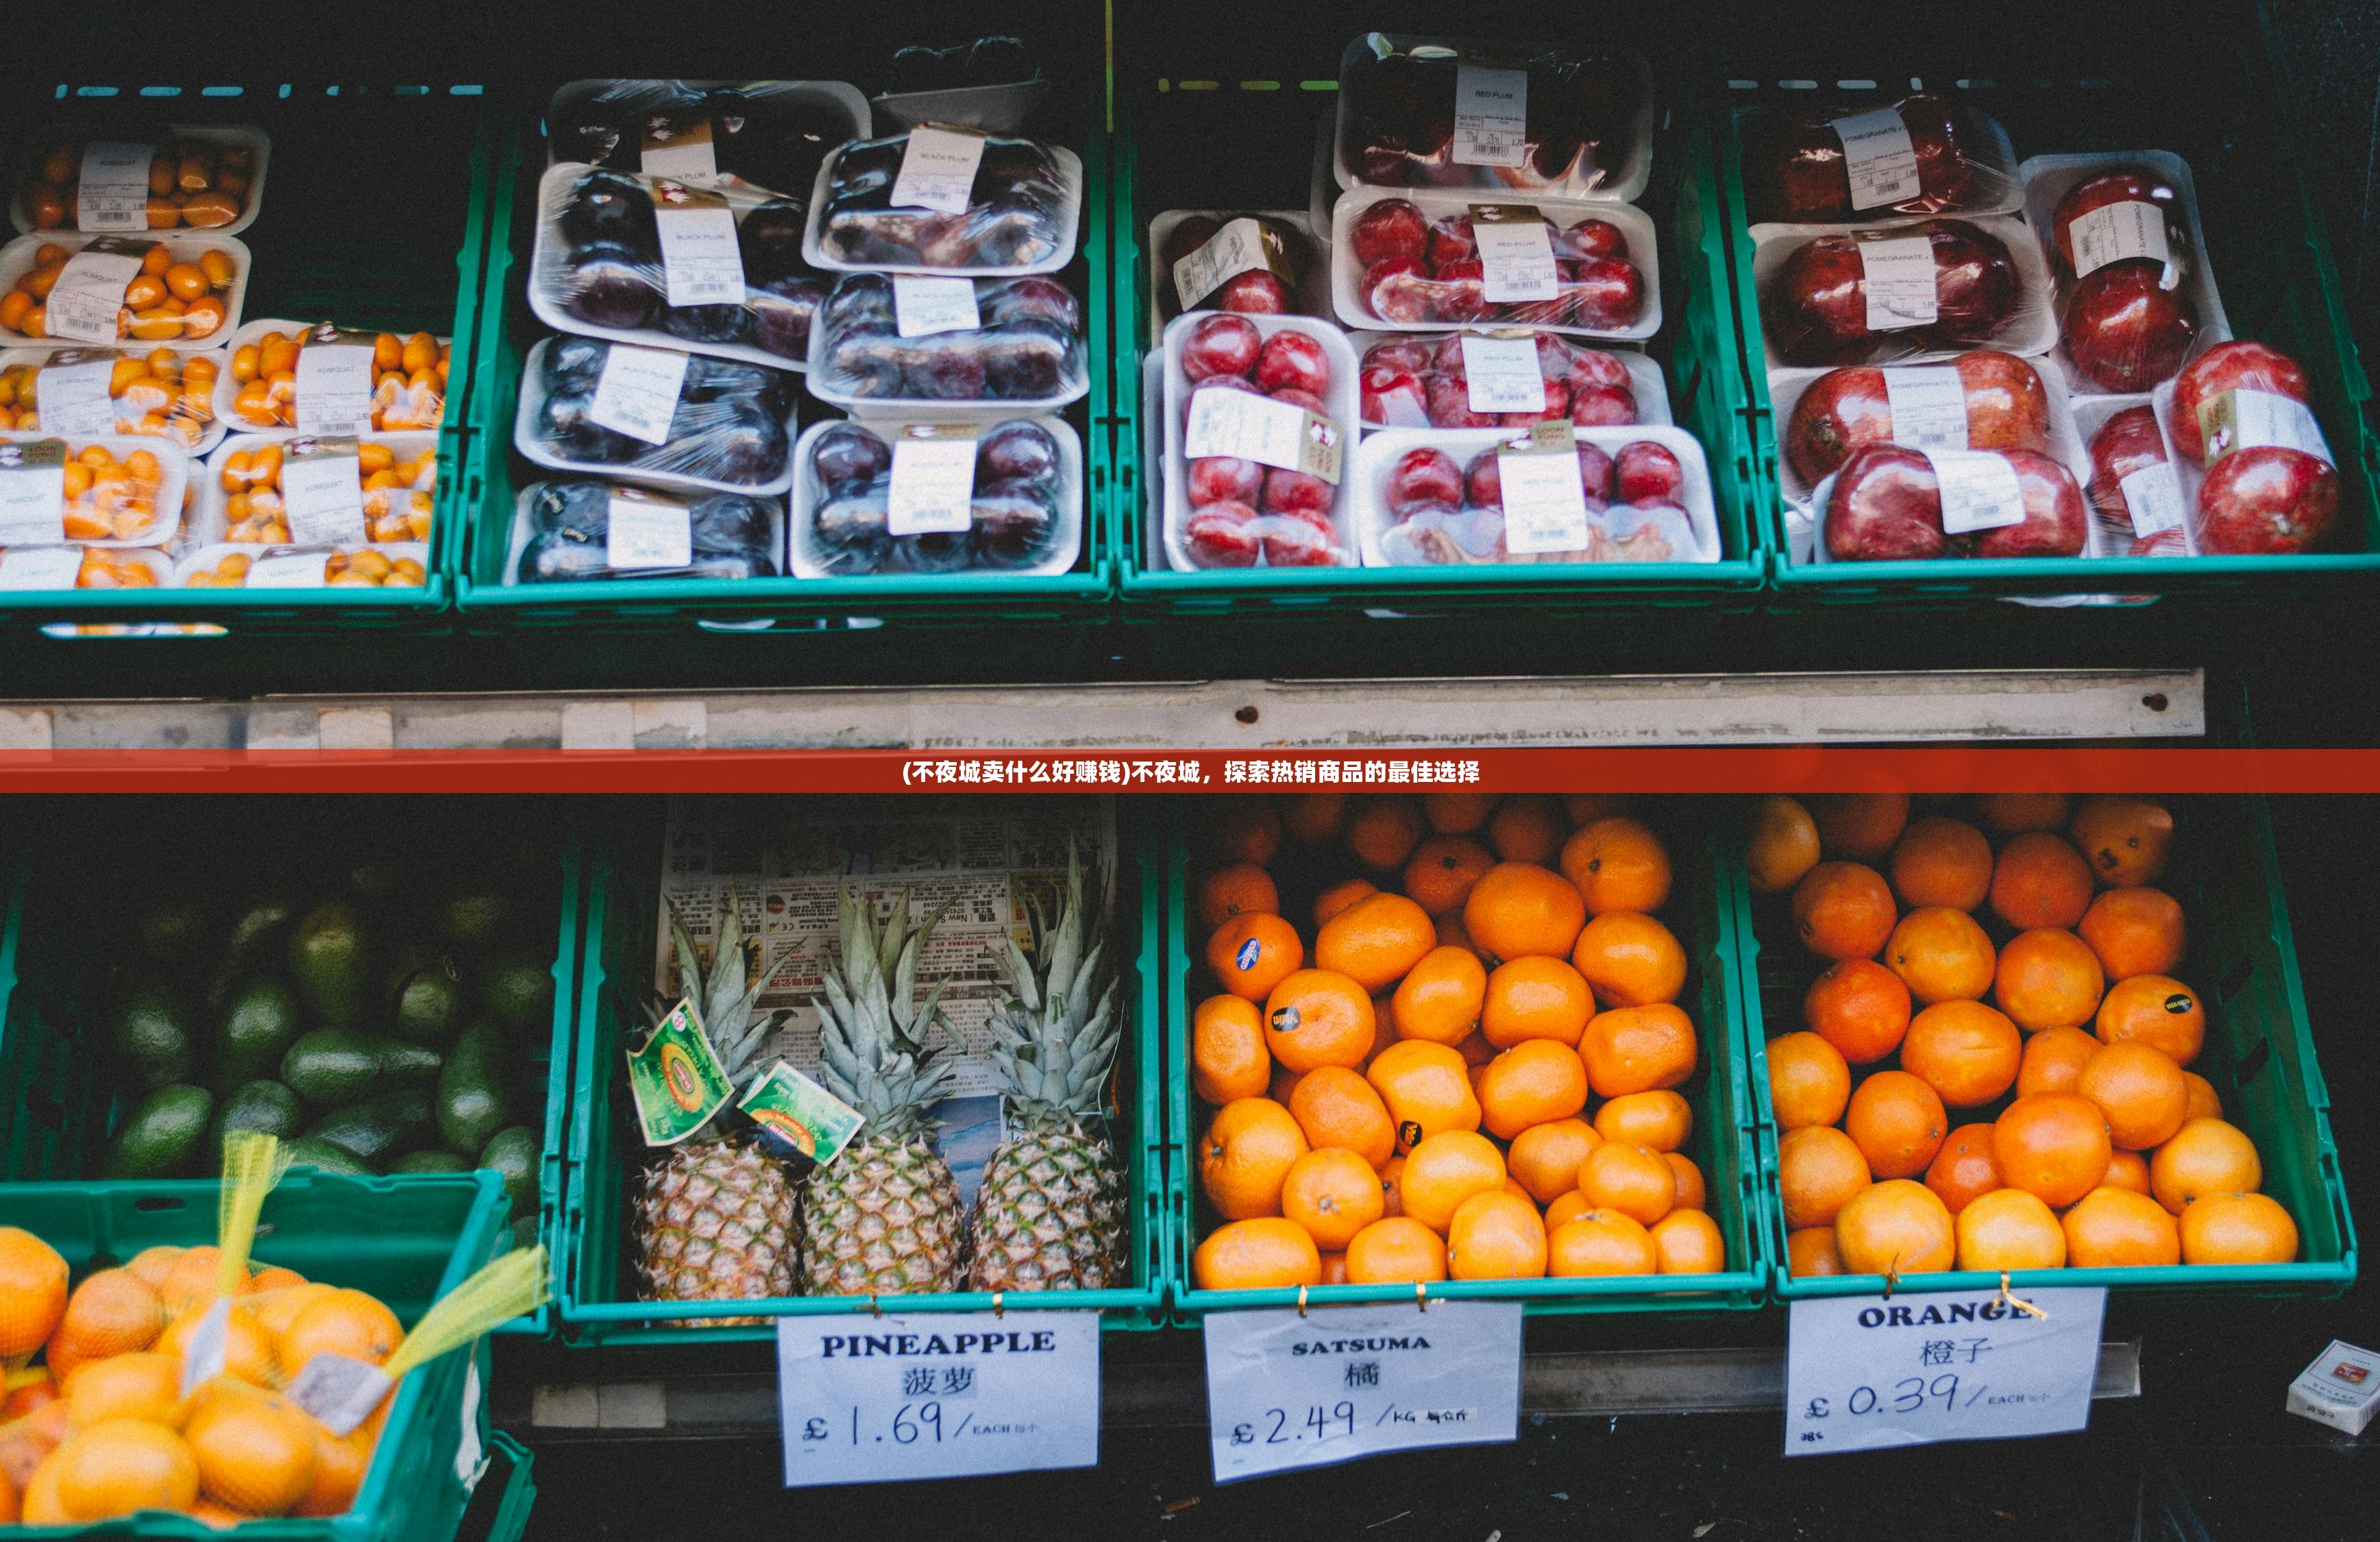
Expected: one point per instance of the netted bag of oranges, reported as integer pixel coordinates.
(158, 393)
(409, 375)
(172, 298)
(200, 183)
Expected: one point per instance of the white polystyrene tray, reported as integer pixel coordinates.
(1786, 386)
(183, 246)
(803, 550)
(173, 463)
(934, 408)
(1312, 295)
(1646, 382)
(197, 558)
(834, 95)
(2091, 415)
(40, 358)
(2048, 178)
(1376, 456)
(533, 393)
(228, 389)
(1634, 175)
(1345, 401)
(1347, 274)
(516, 540)
(208, 521)
(2031, 329)
(1070, 219)
(256, 140)
(155, 560)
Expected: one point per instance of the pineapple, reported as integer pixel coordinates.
(1051, 1213)
(884, 1218)
(715, 1216)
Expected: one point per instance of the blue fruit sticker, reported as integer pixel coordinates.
(1246, 957)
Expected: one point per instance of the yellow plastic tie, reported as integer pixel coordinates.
(1421, 1296)
(514, 1285)
(252, 1164)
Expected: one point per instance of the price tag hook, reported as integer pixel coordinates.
(1301, 1301)
(873, 1308)
(1421, 1295)
(999, 1311)
(2018, 1302)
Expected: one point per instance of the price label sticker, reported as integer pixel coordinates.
(1516, 255)
(1929, 406)
(339, 1391)
(33, 494)
(40, 566)
(922, 307)
(334, 386)
(74, 397)
(2119, 233)
(85, 303)
(323, 491)
(2153, 498)
(111, 192)
(1256, 428)
(1243, 246)
(202, 1354)
(1545, 497)
(1980, 490)
(937, 170)
(1503, 374)
(681, 150)
(1285, 1391)
(1491, 116)
(636, 393)
(2251, 419)
(1879, 157)
(289, 570)
(700, 262)
(1898, 282)
(1862, 1372)
(932, 488)
(936, 1394)
(652, 532)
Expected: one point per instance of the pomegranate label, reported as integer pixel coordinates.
(700, 262)
(1502, 374)
(89, 291)
(2119, 233)
(40, 566)
(289, 570)
(642, 531)
(938, 169)
(922, 307)
(933, 491)
(334, 388)
(636, 393)
(1491, 116)
(112, 191)
(1516, 256)
(1929, 406)
(678, 150)
(2238, 420)
(33, 494)
(1979, 490)
(2153, 498)
(1243, 246)
(323, 491)
(1878, 155)
(1898, 273)
(1545, 500)
(1256, 428)
(74, 397)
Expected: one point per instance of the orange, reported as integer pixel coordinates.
(2205, 1156)
(11, 1509)
(1687, 1241)
(150, 1265)
(136, 1386)
(1964, 1051)
(2011, 812)
(1239, 890)
(254, 1454)
(1535, 998)
(1310, 818)
(274, 1311)
(1819, 1169)
(1783, 845)
(2009, 1228)
(1375, 940)
(1396, 1250)
(1658, 1121)
(2052, 1145)
(1249, 831)
(27, 1444)
(1940, 861)
(2126, 1170)
(1457, 813)
(41, 1505)
(272, 1277)
(123, 1465)
(1392, 1198)
(2136, 932)
(1317, 1017)
(1859, 827)
(340, 1464)
(1228, 1058)
(2125, 840)
(2155, 1009)
(2112, 1228)
(1440, 997)
(1600, 1242)
(32, 1389)
(1808, 1081)
(2053, 1059)
(1565, 1207)
(1382, 831)
(33, 1292)
(2140, 1089)
(1529, 1084)
(2047, 979)
(1447, 1169)
(1860, 1007)
(1249, 954)
(1894, 1228)
(1427, 1089)
(1636, 1048)
(1630, 959)
(1630, 1179)
(1442, 870)
(1339, 896)
(1690, 1195)
(2203, 1102)
(1264, 1253)
(1527, 827)
(2040, 880)
(1333, 1193)
(1337, 1109)
(1283, 1086)
(1587, 808)
(1519, 911)
(1843, 910)
(1334, 1269)
(2238, 1229)
(1962, 1171)
(1618, 863)
(1545, 1157)
(1810, 1253)
(1451, 935)
(1898, 1121)
(111, 1312)
(1496, 1235)
(1245, 1155)
(351, 1323)
(1942, 953)
(1476, 1050)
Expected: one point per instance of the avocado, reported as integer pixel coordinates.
(472, 1102)
(307, 1152)
(328, 960)
(256, 942)
(475, 918)
(425, 997)
(173, 934)
(153, 1034)
(332, 1067)
(164, 1136)
(512, 1151)
(404, 1064)
(431, 1159)
(516, 988)
(375, 1130)
(376, 880)
(525, 1233)
(258, 1026)
(264, 1106)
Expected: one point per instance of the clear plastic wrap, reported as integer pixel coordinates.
(562, 533)
(1401, 260)
(1016, 213)
(196, 177)
(154, 394)
(598, 266)
(1230, 511)
(1901, 293)
(242, 500)
(1887, 505)
(768, 135)
(1924, 154)
(97, 490)
(2135, 492)
(2257, 474)
(70, 566)
(1292, 279)
(1424, 112)
(1435, 497)
(224, 565)
(182, 292)
(731, 430)
(1025, 353)
(1988, 400)
(259, 392)
(1024, 504)
(1412, 379)
(2136, 296)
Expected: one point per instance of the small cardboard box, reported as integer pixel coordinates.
(2340, 1389)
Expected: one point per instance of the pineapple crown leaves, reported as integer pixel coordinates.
(872, 1029)
(723, 1002)
(1054, 1035)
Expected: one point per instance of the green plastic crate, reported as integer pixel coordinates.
(53, 982)
(506, 1518)
(374, 212)
(2259, 1054)
(2218, 93)
(1722, 1146)
(407, 1242)
(598, 1305)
